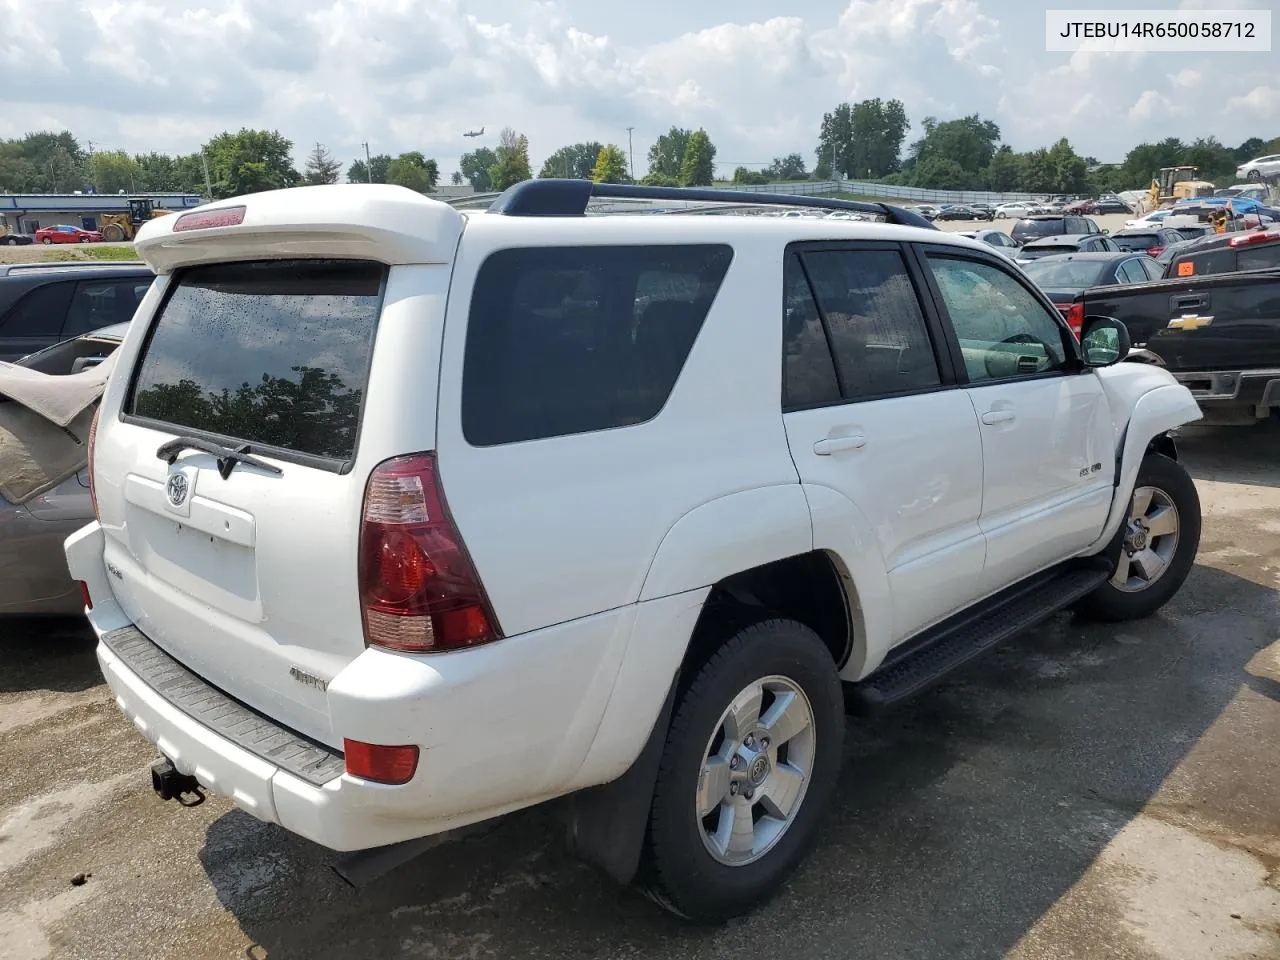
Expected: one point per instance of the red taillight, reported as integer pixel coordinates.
(1155, 251)
(84, 595)
(370, 761)
(1075, 319)
(204, 219)
(88, 466)
(419, 591)
(1258, 236)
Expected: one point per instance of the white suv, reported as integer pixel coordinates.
(408, 519)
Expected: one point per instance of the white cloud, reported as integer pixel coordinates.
(403, 75)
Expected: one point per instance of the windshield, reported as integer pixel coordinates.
(1064, 274)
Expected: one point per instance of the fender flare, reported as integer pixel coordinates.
(1155, 414)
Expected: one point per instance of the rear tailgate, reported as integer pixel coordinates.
(1221, 322)
(245, 570)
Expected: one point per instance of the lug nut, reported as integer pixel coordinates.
(764, 743)
(735, 763)
(749, 742)
(748, 793)
(733, 789)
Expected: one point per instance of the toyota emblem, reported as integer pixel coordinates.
(176, 489)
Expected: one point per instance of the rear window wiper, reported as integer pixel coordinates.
(228, 457)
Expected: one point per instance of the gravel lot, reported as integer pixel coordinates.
(1085, 792)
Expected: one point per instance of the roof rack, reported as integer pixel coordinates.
(570, 198)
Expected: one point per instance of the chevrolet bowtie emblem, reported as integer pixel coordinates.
(1189, 321)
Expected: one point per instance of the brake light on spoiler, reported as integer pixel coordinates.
(204, 219)
(1258, 236)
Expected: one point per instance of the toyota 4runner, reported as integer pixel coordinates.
(408, 518)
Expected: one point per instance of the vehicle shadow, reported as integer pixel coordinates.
(47, 653)
(961, 818)
(1247, 455)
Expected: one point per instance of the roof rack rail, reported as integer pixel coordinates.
(569, 198)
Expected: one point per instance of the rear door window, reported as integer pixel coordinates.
(101, 303)
(271, 353)
(39, 313)
(566, 340)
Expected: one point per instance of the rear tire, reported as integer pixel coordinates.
(758, 734)
(47, 241)
(112, 232)
(1158, 547)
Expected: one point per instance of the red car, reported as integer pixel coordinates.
(66, 234)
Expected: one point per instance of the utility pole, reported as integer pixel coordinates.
(208, 184)
(368, 162)
(631, 153)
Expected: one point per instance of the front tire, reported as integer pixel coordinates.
(1158, 544)
(47, 241)
(749, 768)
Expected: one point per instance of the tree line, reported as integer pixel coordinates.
(857, 141)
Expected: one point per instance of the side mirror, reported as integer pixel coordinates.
(1105, 232)
(1104, 341)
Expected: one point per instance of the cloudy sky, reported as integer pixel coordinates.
(414, 74)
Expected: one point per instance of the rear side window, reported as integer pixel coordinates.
(270, 353)
(1029, 229)
(39, 313)
(565, 340)
(808, 373)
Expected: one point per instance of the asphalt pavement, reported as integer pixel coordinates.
(1086, 791)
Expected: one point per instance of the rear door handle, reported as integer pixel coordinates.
(824, 448)
(998, 416)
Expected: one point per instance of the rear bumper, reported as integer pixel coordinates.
(499, 727)
(1259, 388)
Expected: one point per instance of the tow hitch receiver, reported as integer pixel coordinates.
(169, 784)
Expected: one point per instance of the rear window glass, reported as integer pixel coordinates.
(1137, 241)
(1259, 258)
(272, 353)
(565, 340)
(1032, 252)
(1039, 228)
(1064, 274)
(1204, 264)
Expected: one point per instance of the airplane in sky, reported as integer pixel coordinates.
(474, 133)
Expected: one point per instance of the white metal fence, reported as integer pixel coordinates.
(812, 188)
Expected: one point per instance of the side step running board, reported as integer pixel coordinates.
(956, 642)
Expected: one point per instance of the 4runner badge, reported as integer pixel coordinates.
(308, 679)
(176, 488)
(1189, 321)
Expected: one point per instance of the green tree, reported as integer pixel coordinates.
(456, 178)
(475, 167)
(610, 166)
(969, 141)
(790, 167)
(941, 173)
(1214, 161)
(1142, 164)
(667, 153)
(864, 138)
(511, 164)
(1253, 147)
(576, 161)
(359, 171)
(835, 139)
(652, 179)
(250, 161)
(414, 171)
(742, 175)
(1038, 172)
(114, 170)
(321, 167)
(1004, 171)
(698, 168)
(1070, 173)
(160, 171)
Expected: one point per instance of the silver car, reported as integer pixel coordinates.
(33, 566)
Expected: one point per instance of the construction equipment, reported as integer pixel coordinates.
(1168, 179)
(124, 226)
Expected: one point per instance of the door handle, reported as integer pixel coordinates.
(998, 416)
(824, 448)
(1191, 302)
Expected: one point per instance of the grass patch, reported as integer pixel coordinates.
(79, 253)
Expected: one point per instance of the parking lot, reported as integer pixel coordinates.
(1086, 791)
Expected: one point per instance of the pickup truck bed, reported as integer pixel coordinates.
(1218, 334)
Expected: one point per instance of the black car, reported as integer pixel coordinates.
(16, 239)
(955, 211)
(1068, 243)
(1064, 277)
(45, 303)
(1110, 205)
(983, 211)
(1149, 240)
(1051, 225)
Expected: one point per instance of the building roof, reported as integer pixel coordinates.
(91, 202)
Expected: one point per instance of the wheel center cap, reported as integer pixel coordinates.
(758, 770)
(1140, 540)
